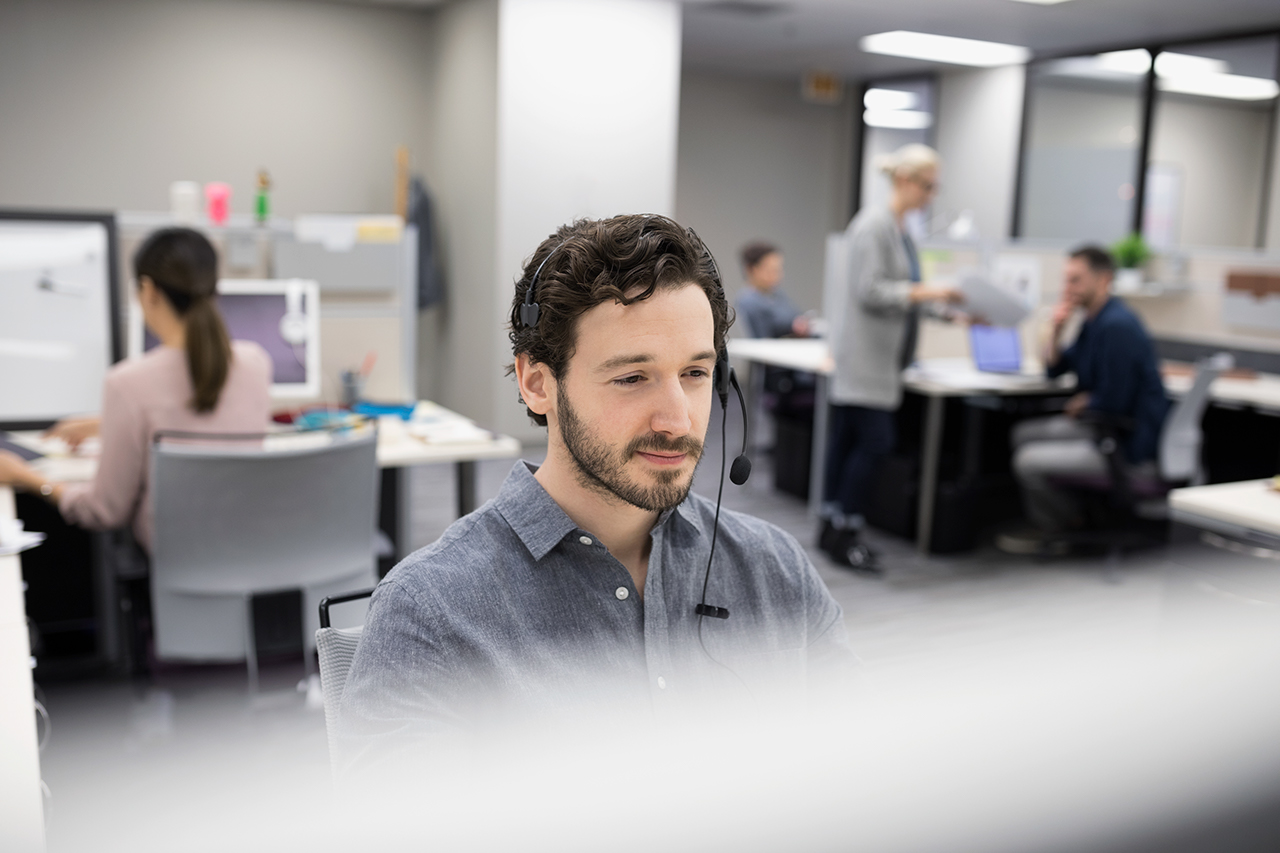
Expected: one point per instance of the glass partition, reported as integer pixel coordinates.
(895, 113)
(1211, 144)
(1083, 146)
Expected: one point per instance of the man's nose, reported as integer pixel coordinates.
(671, 409)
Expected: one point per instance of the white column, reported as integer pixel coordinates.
(588, 102)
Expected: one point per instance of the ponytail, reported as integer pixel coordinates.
(184, 266)
(208, 353)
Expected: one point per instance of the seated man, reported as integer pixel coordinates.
(769, 313)
(1118, 379)
(576, 587)
(766, 310)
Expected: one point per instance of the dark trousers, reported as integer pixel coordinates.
(860, 438)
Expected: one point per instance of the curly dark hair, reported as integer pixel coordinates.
(625, 259)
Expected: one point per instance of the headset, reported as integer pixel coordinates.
(723, 378)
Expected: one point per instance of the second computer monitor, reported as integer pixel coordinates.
(280, 315)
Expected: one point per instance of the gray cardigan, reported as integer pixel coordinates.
(876, 314)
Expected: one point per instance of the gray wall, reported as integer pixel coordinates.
(757, 162)
(103, 104)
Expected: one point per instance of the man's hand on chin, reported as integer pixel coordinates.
(1077, 404)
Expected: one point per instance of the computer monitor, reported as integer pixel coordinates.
(281, 315)
(58, 310)
(996, 349)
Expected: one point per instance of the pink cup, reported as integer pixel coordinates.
(217, 197)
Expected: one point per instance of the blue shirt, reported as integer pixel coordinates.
(517, 612)
(768, 315)
(1114, 360)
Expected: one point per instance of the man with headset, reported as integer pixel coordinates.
(597, 577)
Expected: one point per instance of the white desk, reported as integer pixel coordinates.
(21, 803)
(435, 435)
(936, 379)
(1248, 510)
(1261, 393)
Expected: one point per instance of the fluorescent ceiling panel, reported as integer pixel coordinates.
(1232, 86)
(898, 119)
(1185, 65)
(889, 99)
(954, 51)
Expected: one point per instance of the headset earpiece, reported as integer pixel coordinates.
(722, 375)
(529, 313)
(529, 310)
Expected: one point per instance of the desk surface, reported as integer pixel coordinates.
(943, 377)
(958, 377)
(21, 804)
(435, 435)
(1252, 505)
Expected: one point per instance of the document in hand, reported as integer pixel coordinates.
(993, 304)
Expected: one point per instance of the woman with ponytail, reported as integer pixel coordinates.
(197, 380)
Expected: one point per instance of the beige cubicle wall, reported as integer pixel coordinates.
(378, 317)
(1183, 301)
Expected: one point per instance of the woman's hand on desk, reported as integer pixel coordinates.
(14, 471)
(74, 430)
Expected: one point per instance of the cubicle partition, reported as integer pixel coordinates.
(366, 268)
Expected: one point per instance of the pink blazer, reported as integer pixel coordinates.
(151, 393)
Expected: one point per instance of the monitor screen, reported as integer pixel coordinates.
(57, 315)
(282, 316)
(996, 348)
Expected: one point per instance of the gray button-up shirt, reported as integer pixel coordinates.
(515, 610)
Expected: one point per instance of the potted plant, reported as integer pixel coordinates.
(1131, 254)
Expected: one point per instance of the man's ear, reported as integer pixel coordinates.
(537, 385)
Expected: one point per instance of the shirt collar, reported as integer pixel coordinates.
(539, 521)
(532, 513)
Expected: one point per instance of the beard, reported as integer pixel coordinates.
(602, 469)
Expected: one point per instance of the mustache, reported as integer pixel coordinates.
(657, 443)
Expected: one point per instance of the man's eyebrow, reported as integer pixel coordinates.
(624, 360)
(644, 358)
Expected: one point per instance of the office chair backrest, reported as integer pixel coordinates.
(336, 648)
(1181, 435)
(233, 520)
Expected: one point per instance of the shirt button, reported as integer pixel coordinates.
(622, 593)
(585, 540)
(662, 683)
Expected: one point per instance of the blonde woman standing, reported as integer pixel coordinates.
(879, 325)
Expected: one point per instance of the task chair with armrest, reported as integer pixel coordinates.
(1138, 508)
(337, 649)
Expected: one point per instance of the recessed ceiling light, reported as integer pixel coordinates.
(1185, 65)
(898, 119)
(889, 99)
(1232, 86)
(934, 48)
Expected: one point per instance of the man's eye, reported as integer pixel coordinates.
(628, 380)
(698, 373)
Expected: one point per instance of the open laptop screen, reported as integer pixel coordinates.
(997, 349)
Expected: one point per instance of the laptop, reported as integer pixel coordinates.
(996, 349)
